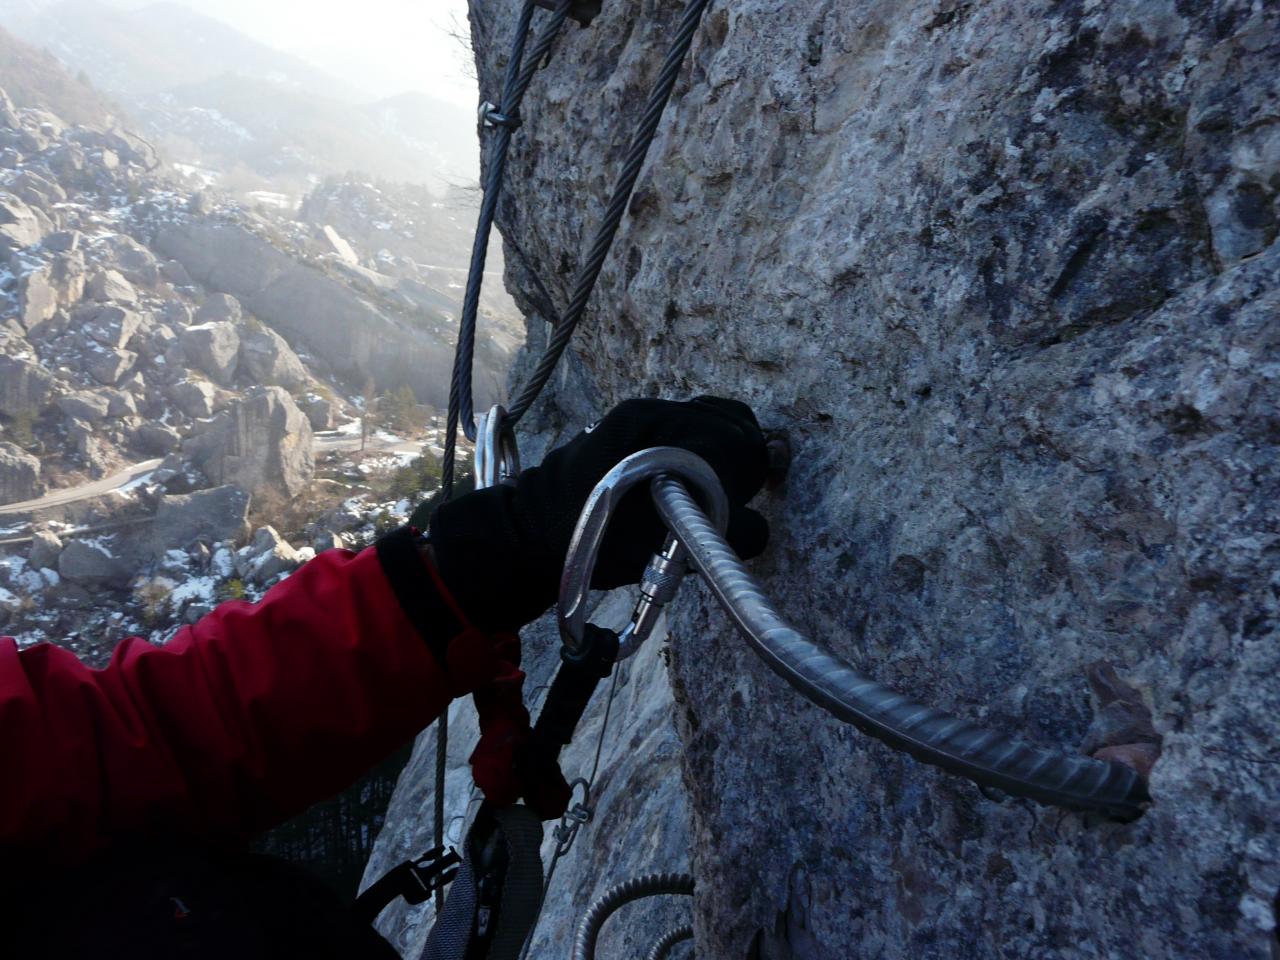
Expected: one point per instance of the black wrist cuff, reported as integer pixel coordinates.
(399, 553)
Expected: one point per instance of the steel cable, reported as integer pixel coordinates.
(590, 269)
(519, 75)
(608, 903)
(662, 949)
(987, 757)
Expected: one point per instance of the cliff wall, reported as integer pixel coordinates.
(1007, 273)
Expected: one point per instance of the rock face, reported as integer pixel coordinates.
(261, 444)
(1007, 273)
(19, 474)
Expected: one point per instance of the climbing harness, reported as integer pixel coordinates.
(477, 920)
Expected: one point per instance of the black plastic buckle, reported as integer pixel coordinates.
(429, 873)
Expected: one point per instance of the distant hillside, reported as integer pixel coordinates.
(35, 78)
(253, 117)
(156, 47)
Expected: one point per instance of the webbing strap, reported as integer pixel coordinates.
(493, 901)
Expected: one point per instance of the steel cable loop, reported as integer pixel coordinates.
(590, 269)
(987, 757)
(519, 75)
(604, 906)
(662, 949)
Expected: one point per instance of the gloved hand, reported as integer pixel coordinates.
(500, 551)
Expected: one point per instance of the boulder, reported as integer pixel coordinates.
(195, 398)
(110, 285)
(86, 406)
(215, 514)
(213, 348)
(37, 299)
(319, 411)
(111, 325)
(132, 260)
(121, 404)
(220, 308)
(19, 227)
(45, 547)
(19, 474)
(38, 191)
(107, 365)
(92, 563)
(156, 439)
(176, 313)
(266, 358)
(266, 557)
(63, 241)
(262, 443)
(175, 273)
(24, 386)
(67, 277)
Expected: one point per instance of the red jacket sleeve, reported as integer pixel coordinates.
(239, 722)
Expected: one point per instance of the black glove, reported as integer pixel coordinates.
(501, 550)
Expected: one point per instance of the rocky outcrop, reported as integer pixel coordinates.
(90, 407)
(19, 474)
(1007, 274)
(261, 444)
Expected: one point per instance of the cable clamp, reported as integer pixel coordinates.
(491, 116)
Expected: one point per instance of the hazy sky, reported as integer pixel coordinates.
(382, 46)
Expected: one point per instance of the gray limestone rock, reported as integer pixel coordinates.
(63, 241)
(319, 411)
(195, 398)
(107, 365)
(263, 444)
(213, 348)
(19, 474)
(132, 260)
(175, 273)
(45, 548)
(19, 226)
(266, 557)
(93, 563)
(220, 308)
(265, 358)
(110, 285)
(215, 514)
(1007, 274)
(121, 404)
(156, 439)
(37, 300)
(90, 407)
(111, 325)
(24, 386)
